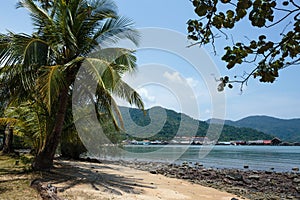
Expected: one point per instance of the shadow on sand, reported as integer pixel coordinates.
(68, 174)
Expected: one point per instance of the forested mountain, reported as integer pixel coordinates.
(159, 123)
(285, 129)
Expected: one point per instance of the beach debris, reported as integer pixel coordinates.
(262, 184)
(234, 176)
(255, 177)
(153, 172)
(296, 180)
(296, 169)
(46, 191)
(268, 172)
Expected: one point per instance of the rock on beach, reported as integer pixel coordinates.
(246, 183)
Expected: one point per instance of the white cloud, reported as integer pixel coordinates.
(192, 82)
(177, 78)
(183, 92)
(173, 77)
(145, 95)
(207, 111)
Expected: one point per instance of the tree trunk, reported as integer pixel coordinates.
(8, 140)
(72, 149)
(3, 140)
(44, 159)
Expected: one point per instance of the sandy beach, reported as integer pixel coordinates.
(84, 180)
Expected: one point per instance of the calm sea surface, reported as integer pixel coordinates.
(281, 158)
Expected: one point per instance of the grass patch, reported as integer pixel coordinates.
(15, 178)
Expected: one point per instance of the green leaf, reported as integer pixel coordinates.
(230, 65)
(273, 4)
(190, 29)
(253, 44)
(244, 4)
(240, 13)
(262, 37)
(230, 13)
(260, 22)
(201, 10)
(196, 3)
(225, 1)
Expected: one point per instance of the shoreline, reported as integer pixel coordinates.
(106, 180)
(251, 184)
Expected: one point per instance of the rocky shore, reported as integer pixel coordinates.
(246, 183)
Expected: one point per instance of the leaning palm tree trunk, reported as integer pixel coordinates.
(44, 159)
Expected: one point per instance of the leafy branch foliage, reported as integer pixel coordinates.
(216, 17)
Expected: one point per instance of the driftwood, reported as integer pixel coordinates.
(46, 191)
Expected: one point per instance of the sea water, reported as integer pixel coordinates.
(277, 158)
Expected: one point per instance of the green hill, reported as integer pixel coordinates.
(285, 129)
(159, 123)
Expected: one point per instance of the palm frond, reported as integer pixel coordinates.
(28, 122)
(74, 64)
(116, 29)
(35, 52)
(124, 91)
(4, 48)
(8, 54)
(88, 17)
(50, 83)
(5, 121)
(64, 23)
(96, 68)
(122, 60)
(13, 85)
(117, 113)
(22, 57)
(106, 104)
(39, 15)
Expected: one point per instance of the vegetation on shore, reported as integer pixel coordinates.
(38, 71)
(188, 127)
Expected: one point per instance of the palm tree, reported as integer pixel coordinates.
(42, 67)
(26, 122)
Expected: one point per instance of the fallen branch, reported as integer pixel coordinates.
(47, 192)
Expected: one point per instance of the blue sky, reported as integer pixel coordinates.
(158, 68)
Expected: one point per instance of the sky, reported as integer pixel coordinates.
(183, 79)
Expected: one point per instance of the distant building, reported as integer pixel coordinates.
(240, 142)
(224, 143)
(267, 142)
(297, 144)
(199, 140)
(256, 142)
(181, 140)
(276, 141)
